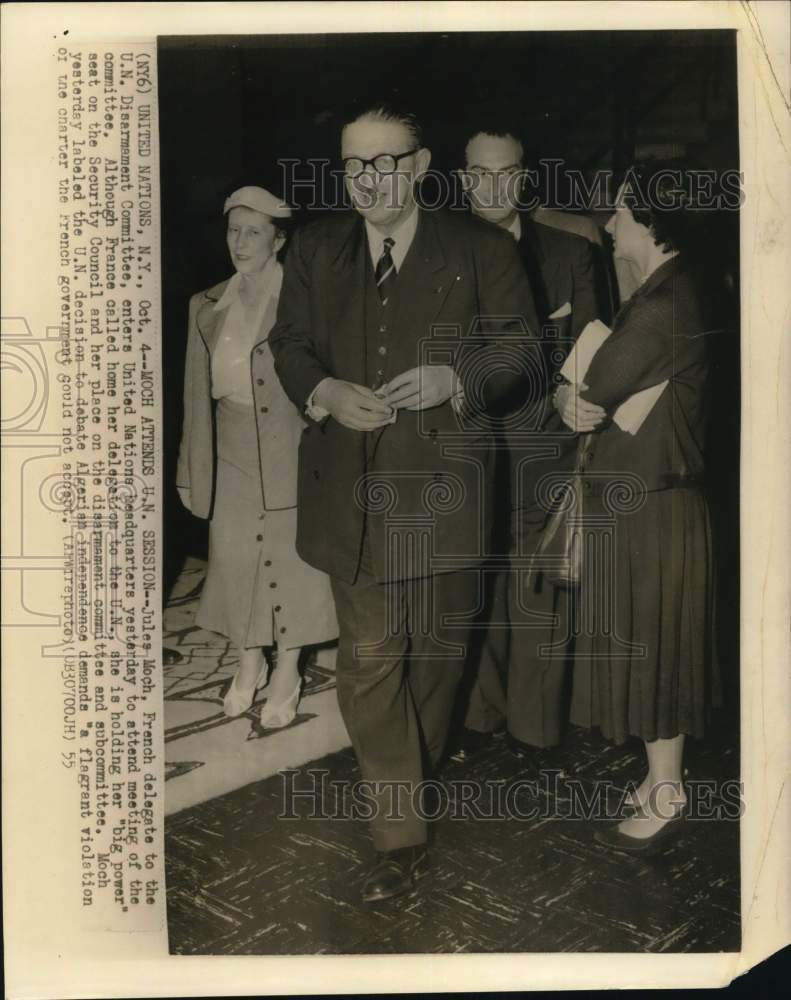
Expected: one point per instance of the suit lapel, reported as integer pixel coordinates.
(534, 260)
(345, 298)
(425, 280)
(210, 320)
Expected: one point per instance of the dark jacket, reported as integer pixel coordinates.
(559, 266)
(659, 334)
(462, 300)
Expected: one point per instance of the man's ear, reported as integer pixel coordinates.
(422, 161)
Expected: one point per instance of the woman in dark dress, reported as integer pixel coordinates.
(644, 664)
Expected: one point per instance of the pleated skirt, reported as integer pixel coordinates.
(258, 591)
(645, 663)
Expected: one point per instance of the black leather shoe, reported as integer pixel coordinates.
(171, 656)
(470, 744)
(645, 846)
(395, 872)
(541, 755)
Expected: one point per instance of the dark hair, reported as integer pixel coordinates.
(499, 128)
(662, 196)
(666, 196)
(387, 111)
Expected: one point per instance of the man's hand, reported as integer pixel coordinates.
(420, 388)
(354, 406)
(576, 413)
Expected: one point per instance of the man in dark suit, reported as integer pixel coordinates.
(520, 678)
(382, 338)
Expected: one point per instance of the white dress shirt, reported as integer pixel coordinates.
(230, 361)
(515, 228)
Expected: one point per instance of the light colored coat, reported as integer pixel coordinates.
(278, 422)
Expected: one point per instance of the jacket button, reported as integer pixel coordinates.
(267, 562)
(273, 585)
(283, 629)
(383, 328)
(315, 473)
(265, 409)
(259, 381)
(383, 351)
(259, 538)
(278, 607)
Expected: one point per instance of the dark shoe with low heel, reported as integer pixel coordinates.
(395, 872)
(470, 743)
(644, 846)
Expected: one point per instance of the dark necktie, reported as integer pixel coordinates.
(385, 271)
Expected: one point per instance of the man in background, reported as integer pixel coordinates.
(517, 683)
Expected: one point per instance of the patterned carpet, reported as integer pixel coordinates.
(243, 880)
(208, 754)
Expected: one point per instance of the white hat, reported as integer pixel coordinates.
(260, 200)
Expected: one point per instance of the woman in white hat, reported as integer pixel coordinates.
(238, 468)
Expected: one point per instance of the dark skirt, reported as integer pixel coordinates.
(644, 662)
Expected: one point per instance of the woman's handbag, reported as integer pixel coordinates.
(562, 537)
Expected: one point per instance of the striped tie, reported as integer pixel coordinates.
(385, 271)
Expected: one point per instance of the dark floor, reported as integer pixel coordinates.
(242, 881)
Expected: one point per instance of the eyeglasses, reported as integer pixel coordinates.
(383, 163)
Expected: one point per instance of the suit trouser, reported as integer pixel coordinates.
(397, 675)
(522, 668)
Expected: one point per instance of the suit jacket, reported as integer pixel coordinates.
(604, 271)
(462, 300)
(560, 268)
(278, 423)
(659, 334)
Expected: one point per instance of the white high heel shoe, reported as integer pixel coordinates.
(238, 700)
(278, 716)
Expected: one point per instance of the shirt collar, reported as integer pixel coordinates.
(270, 285)
(515, 228)
(402, 235)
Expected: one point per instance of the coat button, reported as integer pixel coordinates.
(272, 585)
(278, 607)
(259, 381)
(265, 409)
(283, 629)
(383, 351)
(259, 538)
(267, 562)
(383, 328)
(315, 473)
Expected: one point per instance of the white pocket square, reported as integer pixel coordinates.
(564, 310)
